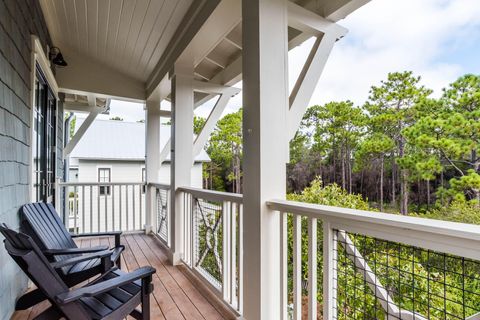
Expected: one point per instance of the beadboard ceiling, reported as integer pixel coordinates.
(126, 35)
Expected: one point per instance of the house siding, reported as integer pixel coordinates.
(18, 20)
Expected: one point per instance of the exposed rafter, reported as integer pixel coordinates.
(196, 16)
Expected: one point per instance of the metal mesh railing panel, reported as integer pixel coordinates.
(378, 279)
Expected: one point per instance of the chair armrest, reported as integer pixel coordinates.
(85, 257)
(116, 234)
(104, 286)
(54, 252)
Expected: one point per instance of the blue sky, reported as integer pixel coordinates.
(436, 39)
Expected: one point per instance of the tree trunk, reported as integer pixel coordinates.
(428, 194)
(403, 179)
(394, 171)
(381, 182)
(342, 157)
(349, 171)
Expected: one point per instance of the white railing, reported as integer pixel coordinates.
(212, 241)
(362, 244)
(161, 212)
(96, 207)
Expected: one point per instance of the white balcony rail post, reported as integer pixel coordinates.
(181, 148)
(152, 160)
(265, 100)
(329, 270)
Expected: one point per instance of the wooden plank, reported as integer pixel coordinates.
(159, 293)
(21, 314)
(162, 295)
(156, 255)
(39, 308)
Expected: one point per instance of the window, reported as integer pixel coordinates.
(104, 176)
(44, 139)
(144, 179)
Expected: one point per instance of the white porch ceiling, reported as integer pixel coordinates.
(126, 35)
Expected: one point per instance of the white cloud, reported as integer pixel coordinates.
(392, 35)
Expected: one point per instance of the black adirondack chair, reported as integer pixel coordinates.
(42, 223)
(113, 295)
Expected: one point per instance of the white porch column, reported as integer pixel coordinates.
(152, 160)
(265, 100)
(181, 149)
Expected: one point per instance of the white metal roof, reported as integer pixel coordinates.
(118, 140)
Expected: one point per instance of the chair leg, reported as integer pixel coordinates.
(147, 288)
(30, 299)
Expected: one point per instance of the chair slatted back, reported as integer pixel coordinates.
(42, 222)
(31, 260)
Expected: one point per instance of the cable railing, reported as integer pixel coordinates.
(367, 265)
(161, 212)
(335, 263)
(98, 207)
(212, 241)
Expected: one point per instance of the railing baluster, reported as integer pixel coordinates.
(105, 198)
(240, 258)
(113, 208)
(83, 209)
(75, 210)
(98, 208)
(226, 250)
(120, 206)
(297, 267)
(284, 265)
(312, 268)
(329, 271)
(133, 207)
(126, 207)
(91, 208)
(233, 253)
(140, 188)
(190, 209)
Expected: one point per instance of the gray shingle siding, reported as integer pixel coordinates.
(18, 20)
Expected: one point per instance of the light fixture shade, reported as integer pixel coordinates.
(59, 61)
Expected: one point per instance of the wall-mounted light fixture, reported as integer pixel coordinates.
(57, 58)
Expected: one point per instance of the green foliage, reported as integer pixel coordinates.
(225, 150)
(451, 137)
(331, 195)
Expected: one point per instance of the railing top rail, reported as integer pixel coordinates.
(213, 195)
(159, 185)
(79, 184)
(423, 225)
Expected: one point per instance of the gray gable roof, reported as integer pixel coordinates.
(118, 140)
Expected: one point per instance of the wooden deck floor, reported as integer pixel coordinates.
(175, 296)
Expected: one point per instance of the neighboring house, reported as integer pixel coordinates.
(114, 151)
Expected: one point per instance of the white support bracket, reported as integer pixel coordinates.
(95, 111)
(307, 80)
(225, 93)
